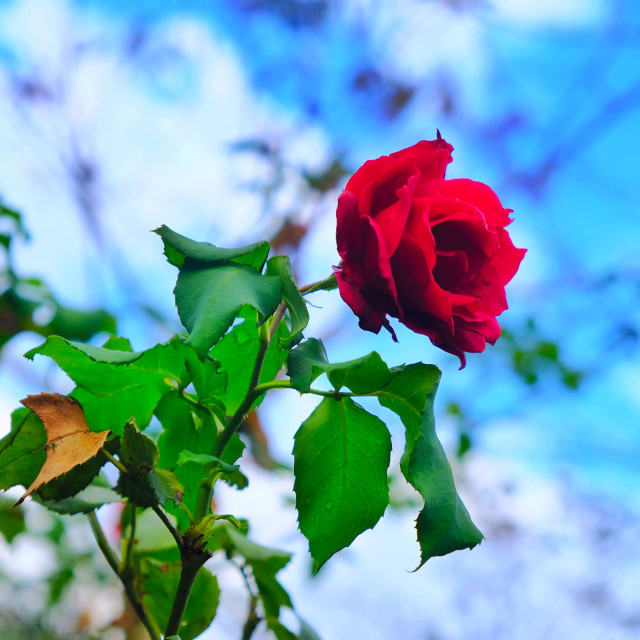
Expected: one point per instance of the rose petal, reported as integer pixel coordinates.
(430, 157)
(508, 259)
(390, 206)
(418, 292)
(348, 236)
(368, 318)
(475, 193)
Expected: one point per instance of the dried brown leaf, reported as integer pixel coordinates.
(70, 442)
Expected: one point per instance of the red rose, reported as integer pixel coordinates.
(431, 252)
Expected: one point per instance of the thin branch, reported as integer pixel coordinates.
(250, 397)
(172, 530)
(129, 589)
(253, 619)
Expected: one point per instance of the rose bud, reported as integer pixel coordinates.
(431, 252)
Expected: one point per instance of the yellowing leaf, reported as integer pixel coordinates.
(70, 442)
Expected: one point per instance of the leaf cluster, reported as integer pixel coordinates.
(244, 317)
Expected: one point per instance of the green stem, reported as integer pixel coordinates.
(326, 284)
(205, 495)
(126, 561)
(205, 492)
(196, 403)
(192, 561)
(274, 384)
(112, 561)
(276, 320)
(285, 384)
(250, 397)
(116, 463)
(184, 507)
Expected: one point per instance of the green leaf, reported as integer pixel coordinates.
(139, 455)
(137, 451)
(22, 451)
(145, 484)
(238, 348)
(208, 381)
(115, 385)
(444, 525)
(159, 583)
(92, 497)
(265, 563)
(11, 520)
(59, 581)
(183, 430)
(306, 631)
(308, 361)
(230, 473)
(208, 299)
(206, 460)
(233, 451)
(116, 343)
(341, 457)
(281, 266)
(279, 630)
(178, 247)
(166, 486)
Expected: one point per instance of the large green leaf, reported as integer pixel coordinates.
(115, 385)
(299, 314)
(22, 451)
(209, 298)
(178, 247)
(237, 352)
(159, 583)
(341, 458)
(444, 525)
(208, 381)
(308, 361)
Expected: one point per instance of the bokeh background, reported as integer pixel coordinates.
(232, 122)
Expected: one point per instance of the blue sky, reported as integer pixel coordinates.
(527, 83)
